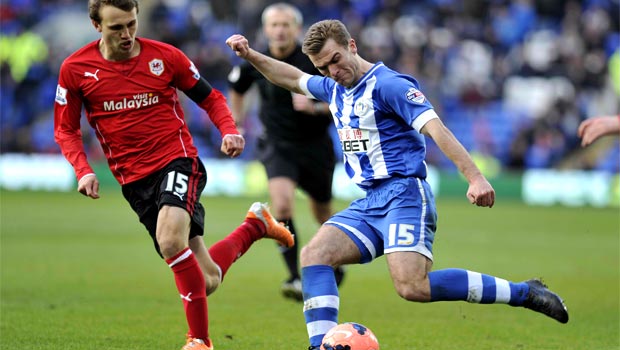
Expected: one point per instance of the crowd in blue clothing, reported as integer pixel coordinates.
(512, 79)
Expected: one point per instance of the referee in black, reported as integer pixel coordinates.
(295, 147)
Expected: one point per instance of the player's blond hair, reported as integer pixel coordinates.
(321, 31)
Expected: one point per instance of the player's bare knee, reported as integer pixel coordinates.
(169, 247)
(312, 255)
(305, 256)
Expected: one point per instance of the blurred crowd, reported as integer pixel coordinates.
(512, 79)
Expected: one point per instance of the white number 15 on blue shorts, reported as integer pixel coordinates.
(395, 216)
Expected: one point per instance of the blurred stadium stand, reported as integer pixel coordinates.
(512, 79)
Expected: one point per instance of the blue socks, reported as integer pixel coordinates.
(321, 301)
(474, 287)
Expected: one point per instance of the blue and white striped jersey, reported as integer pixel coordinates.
(378, 122)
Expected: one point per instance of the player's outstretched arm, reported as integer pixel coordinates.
(480, 191)
(277, 72)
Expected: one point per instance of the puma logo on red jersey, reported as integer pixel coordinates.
(92, 75)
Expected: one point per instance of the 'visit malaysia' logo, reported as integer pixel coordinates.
(137, 101)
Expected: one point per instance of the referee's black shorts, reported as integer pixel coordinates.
(178, 184)
(310, 164)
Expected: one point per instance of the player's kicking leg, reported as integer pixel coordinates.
(474, 287)
(414, 284)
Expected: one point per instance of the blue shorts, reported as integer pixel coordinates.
(396, 215)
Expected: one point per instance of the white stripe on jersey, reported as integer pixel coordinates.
(347, 109)
(377, 161)
(333, 107)
(350, 159)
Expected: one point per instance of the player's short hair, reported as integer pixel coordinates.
(318, 34)
(282, 6)
(95, 5)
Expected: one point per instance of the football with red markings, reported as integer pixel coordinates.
(350, 336)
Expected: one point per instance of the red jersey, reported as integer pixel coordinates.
(132, 105)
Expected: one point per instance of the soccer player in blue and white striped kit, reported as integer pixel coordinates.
(381, 117)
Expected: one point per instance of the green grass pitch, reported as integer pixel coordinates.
(82, 274)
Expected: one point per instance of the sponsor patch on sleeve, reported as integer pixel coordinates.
(415, 95)
(61, 95)
(194, 70)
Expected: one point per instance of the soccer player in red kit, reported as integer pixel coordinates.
(128, 89)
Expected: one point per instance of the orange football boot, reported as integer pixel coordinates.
(274, 230)
(198, 344)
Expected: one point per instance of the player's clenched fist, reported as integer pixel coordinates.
(481, 193)
(239, 44)
(232, 145)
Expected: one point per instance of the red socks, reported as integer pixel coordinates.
(190, 280)
(233, 246)
(191, 285)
